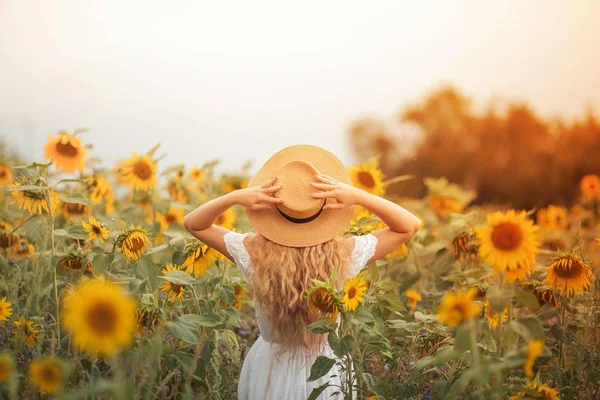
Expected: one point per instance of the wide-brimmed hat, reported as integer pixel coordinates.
(300, 220)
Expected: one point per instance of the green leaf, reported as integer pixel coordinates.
(362, 317)
(147, 269)
(462, 338)
(184, 332)
(342, 346)
(558, 332)
(316, 392)
(77, 232)
(391, 302)
(322, 325)
(499, 298)
(23, 188)
(76, 198)
(157, 249)
(321, 367)
(231, 315)
(197, 321)
(101, 262)
(527, 299)
(179, 278)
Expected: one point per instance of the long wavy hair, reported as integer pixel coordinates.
(282, 275)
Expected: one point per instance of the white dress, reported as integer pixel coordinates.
(264, 377)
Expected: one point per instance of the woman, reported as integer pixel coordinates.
(299, 203)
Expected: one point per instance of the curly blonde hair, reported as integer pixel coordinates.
(281, 276)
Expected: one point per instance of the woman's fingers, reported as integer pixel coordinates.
(325, 178)
(324, 186)
(269, 199)
(272, 189)
(269, 182)
(324, 195)
(333, 206)
(257, 207)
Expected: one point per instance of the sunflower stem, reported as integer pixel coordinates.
(475, 357)
(53, 253)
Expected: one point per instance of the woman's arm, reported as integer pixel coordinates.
(200, 221)
(402, 224)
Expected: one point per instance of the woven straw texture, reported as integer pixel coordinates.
(296, 166)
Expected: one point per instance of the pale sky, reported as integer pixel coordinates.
(239, 80)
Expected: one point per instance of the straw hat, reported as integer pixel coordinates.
(300, 220)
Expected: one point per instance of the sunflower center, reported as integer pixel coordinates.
(2, 173)
(102, 318)
(50, 374)
(506, 236)
(34, 194)
(96, 229)
(170, 218)
(351, 292)
(220, 219)
(176, 288)
(569, 268)
(74, 208)
(67, 149)
(136, 244)
(142, 170)
(366, 179)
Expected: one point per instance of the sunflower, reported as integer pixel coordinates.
(99, 190)
(25, 330)
(520, 273)
(199, 258)
(21, 249)
(544, 296)
(173, 290)
(95, 229)
(73, 262)
(495, 319)
(477, 293)
(368, 177)
(590, 186)
(399, 254)
(354, 291)
(7, 367)
(5, 175)
(74, 210)
(47, 374)
(100, 317)
(66, 151)
(7, 238)
(232, 183)
(148, 317)
(570, 274)
(552, 218)
(5, 309)
(177, 190)
(464, 246)
(133, 242)
(509, 239)
(33, 200)
(227, 219)
(323, 300)
(197, 174)
(413, 298)
(173, 216)
(457, 307)
(534, 350)
(239, 292)
(444, 205)
(545, 392)
(139, 172)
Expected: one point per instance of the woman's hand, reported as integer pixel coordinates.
(344, 194)
(258, 197)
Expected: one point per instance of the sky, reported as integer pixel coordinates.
(239, 80)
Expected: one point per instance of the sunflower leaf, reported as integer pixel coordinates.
(321, 367)
(23, 188)
(178, 277)
(527, 299)
(316, 392)
(322, 325)
(76, 198)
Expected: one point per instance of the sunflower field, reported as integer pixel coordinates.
(103, 294)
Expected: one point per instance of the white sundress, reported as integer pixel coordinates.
(265, 377)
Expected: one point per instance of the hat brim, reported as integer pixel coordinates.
(328, 225)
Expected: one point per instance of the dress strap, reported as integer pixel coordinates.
(234, 243)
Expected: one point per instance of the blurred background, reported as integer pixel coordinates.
(500, 97)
